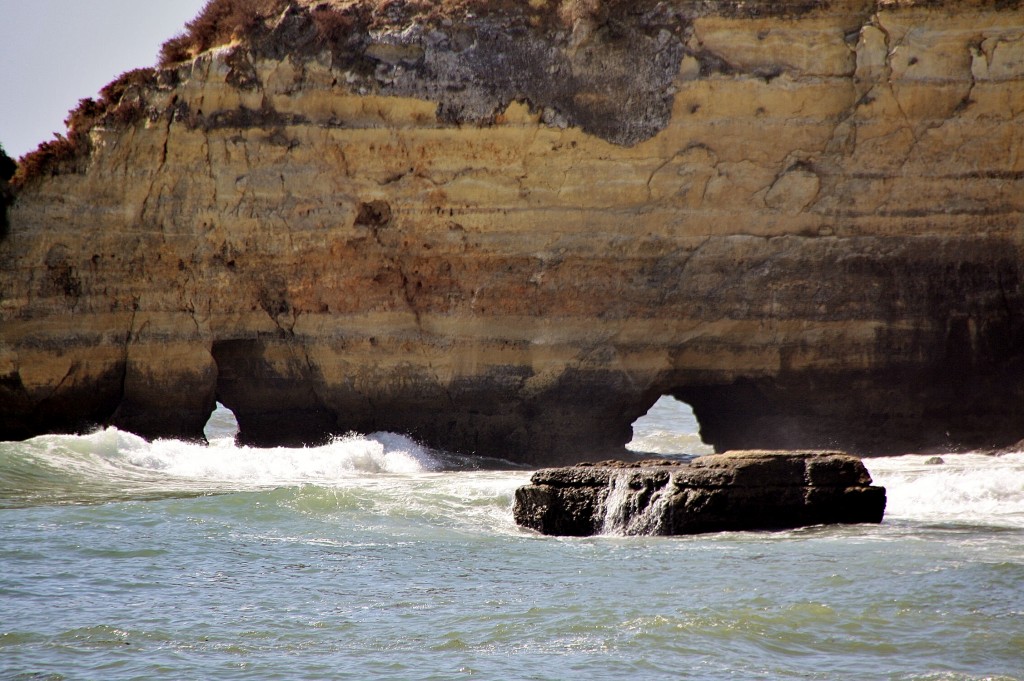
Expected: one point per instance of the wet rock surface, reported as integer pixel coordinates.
(744, 490)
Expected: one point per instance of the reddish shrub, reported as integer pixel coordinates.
(175, 50)
(63, 154)
(112, 93)
(113, 105)
(59, 155)
(217, 23)
(125, 113)
(331, 26)
(84, 116)
(571, 11)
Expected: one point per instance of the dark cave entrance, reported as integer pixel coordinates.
(669, 428)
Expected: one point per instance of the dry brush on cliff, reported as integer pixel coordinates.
(120, 104)
(218, 23)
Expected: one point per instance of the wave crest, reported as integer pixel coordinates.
(112, 464)
(971, 488)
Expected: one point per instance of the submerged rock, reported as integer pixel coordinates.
(744, 490)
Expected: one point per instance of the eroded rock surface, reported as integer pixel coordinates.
(746, 490)
(509, 227)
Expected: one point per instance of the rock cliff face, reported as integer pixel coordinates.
(509, 227)
(750, 490)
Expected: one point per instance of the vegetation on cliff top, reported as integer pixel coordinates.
(223, 21)
(120, 102)
(219, 22)
(334, 25)
(115, 107)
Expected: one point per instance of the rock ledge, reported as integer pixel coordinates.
(740, 490)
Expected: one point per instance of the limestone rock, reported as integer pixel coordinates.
(748, 490)
(793, 191)
(508, 228)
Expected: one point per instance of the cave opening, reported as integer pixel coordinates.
(669, 428)
(221, 424)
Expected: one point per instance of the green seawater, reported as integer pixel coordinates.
(374, 558)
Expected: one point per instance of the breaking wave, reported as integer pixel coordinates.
(111, 463)
(963, 488)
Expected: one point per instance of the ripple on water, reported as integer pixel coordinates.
(337, 562)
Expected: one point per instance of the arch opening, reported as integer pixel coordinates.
(668, 429)
(221, 424)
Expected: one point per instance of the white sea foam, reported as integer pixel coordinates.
(970, 488)
(669, 443)
(343, 458)
(967, 488)
(114, 455)
(669, 427)
(627, 512)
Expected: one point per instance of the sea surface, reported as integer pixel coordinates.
(376, 558)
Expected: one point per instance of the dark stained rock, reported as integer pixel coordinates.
(743, 490)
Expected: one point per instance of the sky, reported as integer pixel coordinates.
(55, 52)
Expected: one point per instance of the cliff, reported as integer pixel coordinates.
(509, 227)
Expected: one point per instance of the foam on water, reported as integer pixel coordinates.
(668, 428)
(669, 443)
(112, 464)
(966, 488)
(343, 458)
(622, 517)
(372, 477)
(383, 559)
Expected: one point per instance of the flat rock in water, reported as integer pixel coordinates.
(741, 490)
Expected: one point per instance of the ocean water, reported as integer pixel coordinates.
(375, 558)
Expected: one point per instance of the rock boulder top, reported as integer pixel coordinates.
(741, 490)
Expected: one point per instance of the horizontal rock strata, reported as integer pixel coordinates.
(508, 228)
(745, 490)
